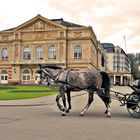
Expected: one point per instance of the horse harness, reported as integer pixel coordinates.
(64, 79)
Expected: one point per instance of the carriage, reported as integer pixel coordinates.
(94, 82)
(130, 100)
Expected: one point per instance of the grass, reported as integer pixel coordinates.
(8, 92)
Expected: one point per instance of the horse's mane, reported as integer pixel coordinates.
(51, 66)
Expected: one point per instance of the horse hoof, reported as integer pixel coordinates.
(108, 115)
(67, 111)
(106, 112)
(63, 114)
(81, 114)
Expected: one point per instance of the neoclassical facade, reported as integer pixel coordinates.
(44, 41)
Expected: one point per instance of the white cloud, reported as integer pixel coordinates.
(110, 19)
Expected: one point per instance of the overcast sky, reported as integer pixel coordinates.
(111, 19)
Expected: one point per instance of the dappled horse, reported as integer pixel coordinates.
(76, 80)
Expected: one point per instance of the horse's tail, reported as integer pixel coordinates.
(106, 85)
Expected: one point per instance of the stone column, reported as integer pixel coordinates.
(121, 80)
(114, 79)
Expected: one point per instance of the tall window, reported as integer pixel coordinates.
(4, 77)
(102, 61)
(26, 76)
(26, 54)
(39, 53)
(4, 54)
(52, 52)
(77, 52)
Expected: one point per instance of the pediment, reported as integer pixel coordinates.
(38, 23)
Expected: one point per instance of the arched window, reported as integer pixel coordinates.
(4, 72)
(4, 54)
(52, 52)
(77, 52)
(26, 53)
(26, 71)
(39, 53)
(4, 77)
(26, 76)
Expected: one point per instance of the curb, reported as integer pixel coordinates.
(20, 105)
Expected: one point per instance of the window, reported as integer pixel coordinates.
(26, 54)
(77, 52)
(52, 52)
(26, 76)
(4, 54)
(4, 77)
(39, 53)
(102, 62)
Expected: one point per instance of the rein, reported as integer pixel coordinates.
(65, 82)
(46, 73)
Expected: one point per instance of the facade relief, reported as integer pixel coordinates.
(4, 38)
(39, 36)
(77, 34)
(39, 25)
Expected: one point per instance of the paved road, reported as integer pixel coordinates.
(46, 123)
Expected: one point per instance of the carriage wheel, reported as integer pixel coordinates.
(133, 106)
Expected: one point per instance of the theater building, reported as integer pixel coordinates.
(44, 41)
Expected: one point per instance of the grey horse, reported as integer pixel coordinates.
(69, 80)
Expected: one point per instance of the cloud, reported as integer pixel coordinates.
(110, 19)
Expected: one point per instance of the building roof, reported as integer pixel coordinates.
(109, 47)
(66, 23)
(59, 22)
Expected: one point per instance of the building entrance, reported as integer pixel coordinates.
(4, 77)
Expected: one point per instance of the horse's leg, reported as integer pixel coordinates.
(63, 109)
(69, 101)
(58, 103)
(62, 91)
(108, 110)
(90, 99)
(64, 103)
(105, 99)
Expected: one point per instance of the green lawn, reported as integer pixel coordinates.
(8, 92)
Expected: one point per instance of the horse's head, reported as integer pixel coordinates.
(46, 71)
(42, 75)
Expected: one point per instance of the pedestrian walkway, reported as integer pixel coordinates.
(46, 100)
